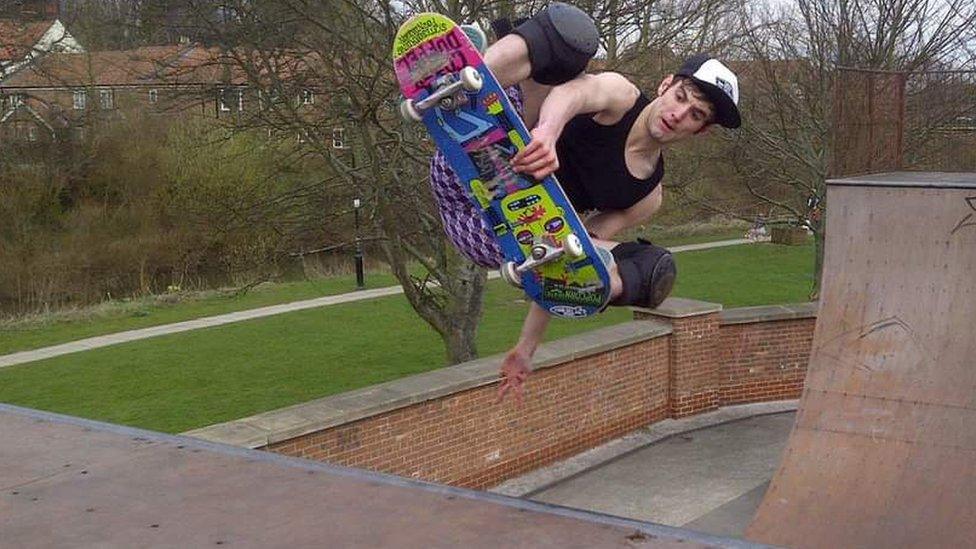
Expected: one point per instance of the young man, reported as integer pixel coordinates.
(603, 139)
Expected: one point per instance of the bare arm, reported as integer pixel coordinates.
(518, 361)
(610, 223)
(607, 95)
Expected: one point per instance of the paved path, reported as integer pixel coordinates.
(219, 320)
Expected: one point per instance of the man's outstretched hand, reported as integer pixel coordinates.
(515, 369)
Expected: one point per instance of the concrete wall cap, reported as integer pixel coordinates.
(767, 313)
(679, 307)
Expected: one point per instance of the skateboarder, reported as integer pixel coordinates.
(603, 138)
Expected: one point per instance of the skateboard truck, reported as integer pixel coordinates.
(541, 253)
(449, 94)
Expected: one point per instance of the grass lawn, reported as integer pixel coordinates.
(143, 313)
(741, 276)
(188, 380)
(134, 314)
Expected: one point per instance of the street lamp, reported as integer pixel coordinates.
(360, 278)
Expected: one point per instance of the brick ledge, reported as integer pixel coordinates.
(286, 423)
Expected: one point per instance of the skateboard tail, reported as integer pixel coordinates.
(418, 67)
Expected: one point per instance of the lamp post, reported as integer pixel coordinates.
(360, 278)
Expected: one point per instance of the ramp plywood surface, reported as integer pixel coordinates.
(66, 482)
(883, 453)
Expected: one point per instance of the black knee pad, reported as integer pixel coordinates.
(662, 280)
(647, 273)
(562, 39)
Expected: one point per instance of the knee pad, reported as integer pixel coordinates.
(561, 39)
(647, 273)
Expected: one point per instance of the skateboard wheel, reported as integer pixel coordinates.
(539, 253)
(573, 246)
(510, 274)
(409, 112)
(471, 79)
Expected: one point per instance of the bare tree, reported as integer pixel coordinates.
(790, 54)
(322, 71)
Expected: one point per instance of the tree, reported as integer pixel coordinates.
(788, 76)
(324, 67)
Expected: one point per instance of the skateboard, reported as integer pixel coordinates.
(448, 87)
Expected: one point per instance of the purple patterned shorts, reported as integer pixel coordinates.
(462, 220)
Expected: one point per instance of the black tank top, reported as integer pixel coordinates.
(592, 169)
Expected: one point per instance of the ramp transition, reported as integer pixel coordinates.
(883, 452)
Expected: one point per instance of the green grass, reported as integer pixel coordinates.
(742, 276)
(174, 383)
(119, 316)
(182, 381)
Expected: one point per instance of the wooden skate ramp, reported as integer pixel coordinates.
(883, 453)
(69, 482)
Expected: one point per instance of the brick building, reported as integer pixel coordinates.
(60, 94)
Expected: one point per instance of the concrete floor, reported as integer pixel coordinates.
(710, 479)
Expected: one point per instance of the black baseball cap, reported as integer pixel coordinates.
(718, 83)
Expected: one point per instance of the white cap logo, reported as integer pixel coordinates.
(714, 72)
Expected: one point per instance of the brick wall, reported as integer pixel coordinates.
(694, 384)
(466, 440)
(764, 360)
(683, 358)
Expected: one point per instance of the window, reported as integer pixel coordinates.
(338, 141)
(308, 98)
(80, 100)
(222, 100)
(17, 100)
(153, 96)
(32, 133)
(240, 100)
(106, 99)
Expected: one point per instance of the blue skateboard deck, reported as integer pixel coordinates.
(479, 131)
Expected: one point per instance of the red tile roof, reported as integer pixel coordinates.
(184, 64)
(141, 66)
(17, 38)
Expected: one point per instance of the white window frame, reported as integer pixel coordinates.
(221, 104)
(240, 100)
(153, 95)
(32, 133)
(79, 100)
(17, 100)
(106, 99)
(308, 97)
(338, 138)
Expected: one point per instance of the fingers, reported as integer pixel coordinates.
(502, 389)
(536, 159)
(518, 391)
(512, 383)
